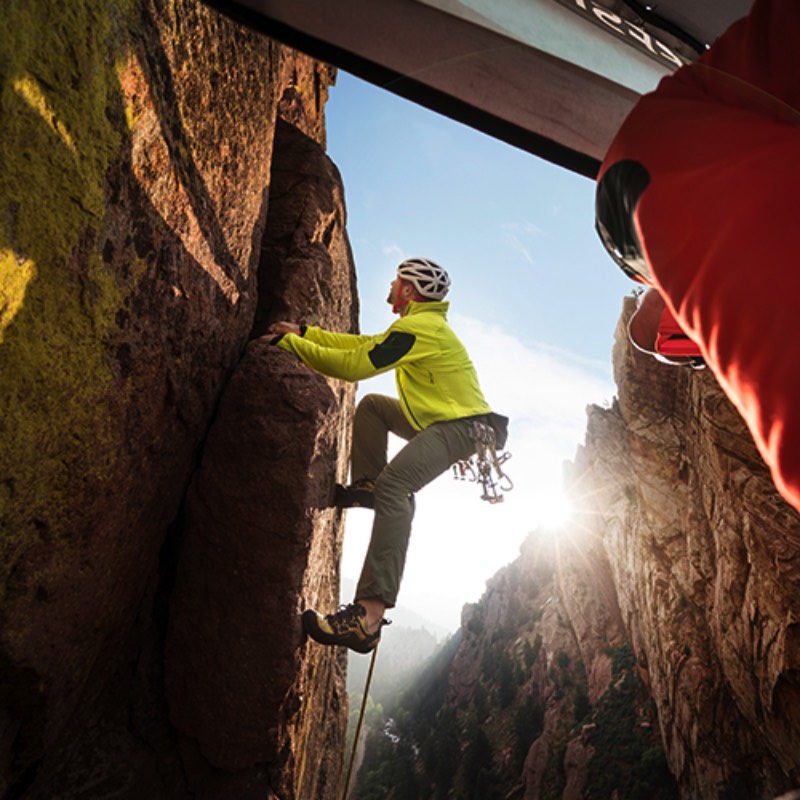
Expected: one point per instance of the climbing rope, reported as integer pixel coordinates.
(358, 728)
(486, 466)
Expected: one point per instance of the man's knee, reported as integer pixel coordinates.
(373, 405)
(395, 502)
(390, 487)
(366, 404)
(385, 486)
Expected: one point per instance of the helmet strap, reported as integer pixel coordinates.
(400, 307)
(401, 304)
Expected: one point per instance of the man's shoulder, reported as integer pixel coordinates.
(422, 326)
(428, 316)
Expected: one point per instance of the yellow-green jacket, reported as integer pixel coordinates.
(435, 378)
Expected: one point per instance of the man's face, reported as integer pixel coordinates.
(394, 292)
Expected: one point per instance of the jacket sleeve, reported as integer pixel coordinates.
(341, 341)
(371, 356)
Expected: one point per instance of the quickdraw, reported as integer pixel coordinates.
(486, 466)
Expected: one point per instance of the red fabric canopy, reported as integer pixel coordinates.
(718, 219)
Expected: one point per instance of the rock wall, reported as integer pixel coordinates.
(260, 538)
(575, 719)
(705, 556)
(136, 142)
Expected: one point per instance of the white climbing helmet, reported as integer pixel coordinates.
(428, 277)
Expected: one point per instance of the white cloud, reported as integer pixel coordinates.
(394, 251)
(517, 234)
(518, 247)
(540, 383)
(525, 228)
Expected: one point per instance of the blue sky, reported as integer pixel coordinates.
(535, 298)
(516, 232)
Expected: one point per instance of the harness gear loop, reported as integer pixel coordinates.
(479, 468)
(358, 728)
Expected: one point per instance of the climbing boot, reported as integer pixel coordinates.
(347, 627)
(360, 494)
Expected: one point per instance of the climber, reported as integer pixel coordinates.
(439, 399)
(696, 197)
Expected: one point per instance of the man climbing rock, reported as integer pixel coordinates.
(439, 398)
(696, 197)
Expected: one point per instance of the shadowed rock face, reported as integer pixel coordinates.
(260, 539)
(302, 274)
(258, 530)
(137, 145)
(706, 561)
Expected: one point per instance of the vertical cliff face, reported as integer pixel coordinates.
(705, 559)
(260, 538)
(140, 168)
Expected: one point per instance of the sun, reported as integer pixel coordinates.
(553, 510)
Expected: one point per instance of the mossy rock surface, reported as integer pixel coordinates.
(135, 148)
(57, 300)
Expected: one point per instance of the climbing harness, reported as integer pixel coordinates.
(358, 729)
(486, 466)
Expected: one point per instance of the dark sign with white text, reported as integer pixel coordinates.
(620, 23)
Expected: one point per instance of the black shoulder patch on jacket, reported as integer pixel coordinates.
(391, 349)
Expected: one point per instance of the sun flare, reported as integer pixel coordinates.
(553, 510)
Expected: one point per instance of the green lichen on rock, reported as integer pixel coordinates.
(58, 82)
(15, 275)
(58, 136)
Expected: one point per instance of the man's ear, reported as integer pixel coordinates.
(407, 291)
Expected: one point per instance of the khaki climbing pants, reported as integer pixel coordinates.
(426, 456)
